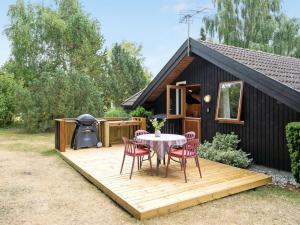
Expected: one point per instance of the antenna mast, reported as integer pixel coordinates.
(187, 18)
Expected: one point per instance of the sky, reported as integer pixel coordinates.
(154, 24)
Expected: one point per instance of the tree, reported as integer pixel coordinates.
(8, 89)
(58, 94)
(254, 24)
(45, 39)
(225, 24)
(135, 50)
(126, 74)
(202, 34)
(286, 36)
(58, 55)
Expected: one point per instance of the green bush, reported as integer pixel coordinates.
(140, 111)
(293, 143)
(116, 112)
(223, 149)
(56, 95)
(8, 101)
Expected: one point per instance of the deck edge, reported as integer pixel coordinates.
(206, 198)
(117, 199)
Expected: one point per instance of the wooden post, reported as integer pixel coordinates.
(62, 136)
(106, 134)
(143, 123)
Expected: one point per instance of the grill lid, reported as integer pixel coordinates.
(86, 119)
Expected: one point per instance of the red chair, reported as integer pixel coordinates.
(140, 132)
(132, 149)
(189, 150)
(190, 135)
(140, 145)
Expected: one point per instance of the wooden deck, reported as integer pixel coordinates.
(147, 196)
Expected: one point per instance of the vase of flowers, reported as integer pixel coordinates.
(157, 125)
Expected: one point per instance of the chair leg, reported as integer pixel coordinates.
(122, 163)
(168, 163)
(184, 169)
(132, 167)
(164, 160)
(141, 161)
(138, 162)
(198, 165)
(150, 164)
(181, 164)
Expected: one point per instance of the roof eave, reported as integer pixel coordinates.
(176, 58)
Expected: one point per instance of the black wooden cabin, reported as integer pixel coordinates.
(213, 88)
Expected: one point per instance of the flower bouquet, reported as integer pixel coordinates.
(157, 125)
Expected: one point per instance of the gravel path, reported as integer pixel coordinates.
(279, 177)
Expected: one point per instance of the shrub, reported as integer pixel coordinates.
(224, 149)
(56, 95)
(140, 111)
(8, 101)
(293, 143)
(116, 112)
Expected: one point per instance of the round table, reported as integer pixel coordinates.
(161, 144)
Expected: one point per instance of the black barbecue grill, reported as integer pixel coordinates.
(86, 133)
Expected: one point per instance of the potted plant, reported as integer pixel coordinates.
(157, 125)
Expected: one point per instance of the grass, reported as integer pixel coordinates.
(286, 194)
(49, 152)
(16, 139)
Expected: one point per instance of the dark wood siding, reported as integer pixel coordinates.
(262, 135)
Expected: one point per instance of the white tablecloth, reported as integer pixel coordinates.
(161, 144)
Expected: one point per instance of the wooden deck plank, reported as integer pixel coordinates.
(147, 196)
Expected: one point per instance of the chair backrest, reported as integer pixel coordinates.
(191, 147)
(129, 146)
(140, 132)
(190, 135)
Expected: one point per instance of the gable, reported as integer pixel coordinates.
(281, 82)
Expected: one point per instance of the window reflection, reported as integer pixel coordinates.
(229, 100)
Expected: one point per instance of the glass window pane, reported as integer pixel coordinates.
(175, 101)
(229, 100)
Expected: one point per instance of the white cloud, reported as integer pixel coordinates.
(181, 6)
(178, 6)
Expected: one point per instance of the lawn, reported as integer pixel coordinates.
(38, 187)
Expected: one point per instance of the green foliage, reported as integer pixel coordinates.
(116, 112)
(57, 53)
(254, 24)
(44, 39)
(126, 74)
(224, 149)
(157, 125)
(56, 95)
(293, 142)
(140, 111)
(58, 56)
(202, 34)
(8, 101)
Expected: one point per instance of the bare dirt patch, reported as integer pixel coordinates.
(37, 187)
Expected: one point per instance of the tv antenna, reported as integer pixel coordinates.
(187, 18)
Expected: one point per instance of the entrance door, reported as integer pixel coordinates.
(192, 124)
(192, 120)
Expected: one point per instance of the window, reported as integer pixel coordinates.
(178, 96)
(175, 101)
(229, 102)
